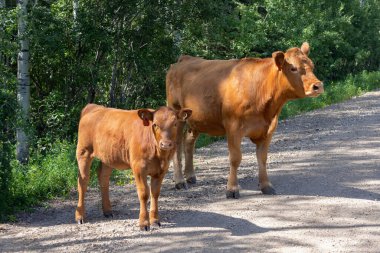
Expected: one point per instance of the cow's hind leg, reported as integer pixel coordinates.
(155, 188)
(84, 164)
(104, 174)
(262, 148)
(190, 139)
(177, 161)
(234, 146)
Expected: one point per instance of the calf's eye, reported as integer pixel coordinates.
(293, 69)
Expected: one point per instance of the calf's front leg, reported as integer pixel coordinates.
(155, 188)
(143, 193)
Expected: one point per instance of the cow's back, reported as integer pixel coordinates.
(196, 83)
(205, 87)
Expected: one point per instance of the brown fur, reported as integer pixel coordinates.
(120, 140)
(237, 98)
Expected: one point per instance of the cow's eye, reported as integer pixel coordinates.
(175, 124)
(293, 69)
(155, 126)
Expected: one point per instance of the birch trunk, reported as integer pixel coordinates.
(2, 5)
(23, 91)
(75, 10)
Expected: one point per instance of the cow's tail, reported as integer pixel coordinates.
(89, 108)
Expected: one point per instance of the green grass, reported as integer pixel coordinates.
(204, 140)
(46, 176)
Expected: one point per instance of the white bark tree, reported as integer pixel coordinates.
(2, 5)
(75, 15)
(23, 91)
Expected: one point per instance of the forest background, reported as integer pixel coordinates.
(116, 53)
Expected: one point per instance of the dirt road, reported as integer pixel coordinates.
(325, 166)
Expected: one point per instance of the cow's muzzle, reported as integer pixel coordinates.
(166, 145)
(316, 89)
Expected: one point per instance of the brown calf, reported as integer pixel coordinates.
(237, 98)
(143, 140)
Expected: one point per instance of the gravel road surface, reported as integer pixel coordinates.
(325, 166)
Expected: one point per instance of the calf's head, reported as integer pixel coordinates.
(164, 122)
(297, 68)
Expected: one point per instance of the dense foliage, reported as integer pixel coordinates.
(116, 53)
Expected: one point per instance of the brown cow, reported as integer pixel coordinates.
(237, 98)
(143, 140)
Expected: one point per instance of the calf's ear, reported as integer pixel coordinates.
(305, 48)
(145, 115)
(279, 59)
(184, 114)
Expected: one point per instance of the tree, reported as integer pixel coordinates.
(23, 91)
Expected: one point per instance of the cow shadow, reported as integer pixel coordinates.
(129, 211)
(203, 219)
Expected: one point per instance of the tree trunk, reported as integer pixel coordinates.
(23, 91)
(2, 60)
(75, 10)
(119, 25)
(113, 84)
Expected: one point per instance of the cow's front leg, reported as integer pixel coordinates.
(155, 188)
(190, 139)
(262, 148)
(143, 193)
(177, 160)
(234, 144)
(104, 174)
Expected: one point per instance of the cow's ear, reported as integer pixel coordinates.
(184, 114)
(279, 58)
(145, 115)
(305, 48)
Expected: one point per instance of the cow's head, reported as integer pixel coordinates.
(298, 70)
(164, 122)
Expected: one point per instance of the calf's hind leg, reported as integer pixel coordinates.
(104, 173)
(84, 164)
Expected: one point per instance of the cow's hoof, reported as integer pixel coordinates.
(232, 194)
(144, 228)
(155, 224)
(108, 215)
(181, 185)
(268, 190)
(80, 221)
(192, 180)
